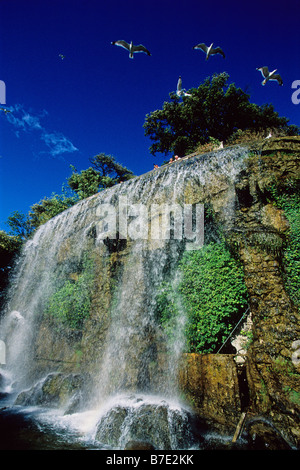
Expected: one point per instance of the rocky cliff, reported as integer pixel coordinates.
(259, 233)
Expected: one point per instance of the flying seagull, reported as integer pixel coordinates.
(61, 56)
(270, 75)
(131, 48)
(209, 50)
(5, 110)
(181, 91)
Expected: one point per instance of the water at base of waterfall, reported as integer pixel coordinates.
(38, 428)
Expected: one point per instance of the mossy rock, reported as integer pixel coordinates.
(53, 391)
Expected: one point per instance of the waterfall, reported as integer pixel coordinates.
(134, 360)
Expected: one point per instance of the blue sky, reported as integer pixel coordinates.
(96, 99)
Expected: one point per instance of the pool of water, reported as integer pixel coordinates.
(37, 428)
(33, 428)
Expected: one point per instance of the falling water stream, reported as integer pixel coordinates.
(130, 397)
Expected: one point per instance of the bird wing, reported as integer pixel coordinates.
(201, 46)
(218, 50)
(179, 84)
(122, 44)
(264, 71)
(140, 48)
(278, 78)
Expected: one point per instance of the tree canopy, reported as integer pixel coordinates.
(23, 225)
(47, 208)
(215, 109)
(20, 225)
(104, 173)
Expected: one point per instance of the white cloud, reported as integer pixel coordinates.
(23, 121)
(58, 143)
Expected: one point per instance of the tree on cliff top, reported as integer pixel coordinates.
(104, 173)
(215, 110)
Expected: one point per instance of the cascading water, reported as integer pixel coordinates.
(133, 371)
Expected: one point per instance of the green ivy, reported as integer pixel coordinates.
(70, 304)
(212, 293)
(287, 198)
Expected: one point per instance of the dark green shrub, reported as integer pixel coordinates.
(212, 293)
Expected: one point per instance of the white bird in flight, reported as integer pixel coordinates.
(131, 48)
(5, 110)
(209, 50)
(181, 91)
(270, 75)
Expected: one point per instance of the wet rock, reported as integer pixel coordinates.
(160, 425)
(109, 427)
(55, 390)
(263, 436)
(138, 445)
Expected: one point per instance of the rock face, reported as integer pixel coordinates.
(272, 365)
(219, 388)
(273, 377)
(210, 382)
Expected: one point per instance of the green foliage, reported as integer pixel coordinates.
(104, 173)
(9, 248)
(8, 244)
(70, 304)
(215, 110)
(293, 395)
(20, 225)
(47, 208)
(107, 166)
(287, 197)
(168, 308)
(213, 294)
(86, 183)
